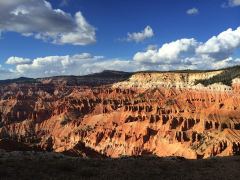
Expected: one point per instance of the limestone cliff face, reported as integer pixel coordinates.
(148, 80)
(166, 114)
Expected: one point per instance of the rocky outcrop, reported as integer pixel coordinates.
(165, 114)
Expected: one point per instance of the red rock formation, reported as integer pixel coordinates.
(164, 114)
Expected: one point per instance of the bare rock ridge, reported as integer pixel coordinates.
(193, 114)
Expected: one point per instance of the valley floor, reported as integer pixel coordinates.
(32, 165)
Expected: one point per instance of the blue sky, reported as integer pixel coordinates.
(112, 25)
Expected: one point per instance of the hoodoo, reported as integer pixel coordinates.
(193, 114)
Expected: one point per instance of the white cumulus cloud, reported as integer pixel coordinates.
(189, 53)
(217, 52)
(37, 18)
(141, 36)
(17, 60)
(79, 64)
(168, 53)
(221, 46)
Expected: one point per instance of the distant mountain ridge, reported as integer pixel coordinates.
(110, 76)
